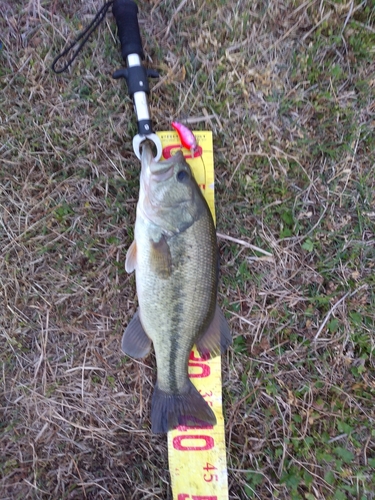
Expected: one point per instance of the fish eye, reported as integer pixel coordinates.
(182, 175)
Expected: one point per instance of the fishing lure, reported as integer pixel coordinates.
(187, 138)
(189, 141)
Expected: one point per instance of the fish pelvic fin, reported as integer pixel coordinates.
(170, 410)
(217, 337)
(135, 342)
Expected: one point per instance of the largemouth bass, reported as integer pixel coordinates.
(175, 258)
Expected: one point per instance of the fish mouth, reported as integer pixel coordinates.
(157, 171)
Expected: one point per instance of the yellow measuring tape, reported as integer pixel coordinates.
(197, 458)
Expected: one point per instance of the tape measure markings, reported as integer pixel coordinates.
(197, 455)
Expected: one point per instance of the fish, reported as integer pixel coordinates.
(175, 258)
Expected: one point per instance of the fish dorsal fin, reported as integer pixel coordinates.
(131, 258)
(161, 259)
(135, 342)
(216, 338)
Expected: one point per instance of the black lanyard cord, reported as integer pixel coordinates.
(84, 36)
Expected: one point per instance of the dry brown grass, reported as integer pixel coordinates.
(292, 110)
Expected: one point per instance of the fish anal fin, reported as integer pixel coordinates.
(160, 258)
(188, 408)
(131, 258)
(135, 342)
(217, 337)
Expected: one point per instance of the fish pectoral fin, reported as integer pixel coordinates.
(161, 259)
(131, 258)
(168, 410)
(135, 342)
(217, 337)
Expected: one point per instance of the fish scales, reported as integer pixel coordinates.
(189, 298)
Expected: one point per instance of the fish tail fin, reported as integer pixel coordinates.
(170, 410)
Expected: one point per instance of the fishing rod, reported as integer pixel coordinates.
(136, 75)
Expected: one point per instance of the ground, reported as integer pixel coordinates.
(288, 89)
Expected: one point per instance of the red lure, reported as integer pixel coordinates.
(187, 138)
(189, 141)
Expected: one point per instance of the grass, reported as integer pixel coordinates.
(288, 90)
